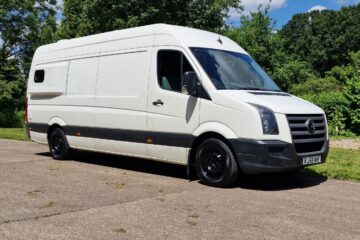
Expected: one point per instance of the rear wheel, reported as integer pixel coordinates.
(216, 164)
(58, 144)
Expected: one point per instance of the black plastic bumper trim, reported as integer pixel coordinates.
(266, 156)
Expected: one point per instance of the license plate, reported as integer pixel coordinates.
(309, 160)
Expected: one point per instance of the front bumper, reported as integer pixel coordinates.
(266, 156)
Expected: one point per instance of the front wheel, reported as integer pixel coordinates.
(216, 164)
(58, 144)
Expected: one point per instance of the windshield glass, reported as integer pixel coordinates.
(233, 70)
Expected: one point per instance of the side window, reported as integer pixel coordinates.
(171, 67)
(39, 76)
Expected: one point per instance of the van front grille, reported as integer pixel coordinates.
(308, 132)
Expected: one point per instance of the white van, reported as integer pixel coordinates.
(173, 94)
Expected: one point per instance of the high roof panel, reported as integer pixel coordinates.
(188, 37)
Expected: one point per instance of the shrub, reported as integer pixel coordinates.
(342, 74)
(292, 72)
(315, 86)
(352, 95)
(11, 119)
(20, 116)
(336, 106)
(355, 60)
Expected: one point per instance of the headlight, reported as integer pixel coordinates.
(268, 120)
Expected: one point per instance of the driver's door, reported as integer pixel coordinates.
(172, 114)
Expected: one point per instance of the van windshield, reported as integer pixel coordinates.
(233, 70)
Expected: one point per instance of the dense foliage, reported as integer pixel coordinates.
(323, 39)
(84, 17)
(316, 55)
(257, 36)
(24, 25)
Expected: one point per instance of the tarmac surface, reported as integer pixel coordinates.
(100, 196)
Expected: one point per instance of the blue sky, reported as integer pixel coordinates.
(282, 10)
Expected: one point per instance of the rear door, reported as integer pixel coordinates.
(172, 114)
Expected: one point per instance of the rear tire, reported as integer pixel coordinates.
(58, 144)
(216, 164)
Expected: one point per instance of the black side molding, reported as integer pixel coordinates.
(137, 136)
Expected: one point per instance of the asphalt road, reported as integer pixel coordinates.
(99, 196)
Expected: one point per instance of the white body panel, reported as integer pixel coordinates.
(100, 89)
(121, 97)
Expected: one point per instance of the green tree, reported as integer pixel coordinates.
(257, 35)
(315, 86)
(11, 80)
(341, 74)
(96, 16)
(323, 38)
(24, 26)
(12, 86)
(355, 60)
(352, 94)
(292, 72)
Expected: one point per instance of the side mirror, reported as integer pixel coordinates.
(190, 83)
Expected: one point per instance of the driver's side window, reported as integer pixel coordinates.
(171, 66)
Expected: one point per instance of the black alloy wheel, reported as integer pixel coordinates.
(216, 164)
(58, 144)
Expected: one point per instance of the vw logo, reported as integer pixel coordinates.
(310, 125)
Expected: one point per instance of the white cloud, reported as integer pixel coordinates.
(60, 3)
(317, 8)
(252, 6)
(59, 12)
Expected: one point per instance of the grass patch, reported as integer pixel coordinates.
(341, 164)
(193, 215)
(48, 205)
(13, 133)
(117, 185)
(35, 193)
(119, 230)
(343, 137)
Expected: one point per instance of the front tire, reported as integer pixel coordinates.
(58, 144)
(216, 164)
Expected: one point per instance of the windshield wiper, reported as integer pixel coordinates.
(251, 88)
(258, 89)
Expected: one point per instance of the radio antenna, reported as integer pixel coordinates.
(219, 40)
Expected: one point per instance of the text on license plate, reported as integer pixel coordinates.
(311, 160)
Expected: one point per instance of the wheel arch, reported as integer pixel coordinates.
(55, 122)
(206, 131)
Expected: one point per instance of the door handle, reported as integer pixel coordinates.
(158, 103)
